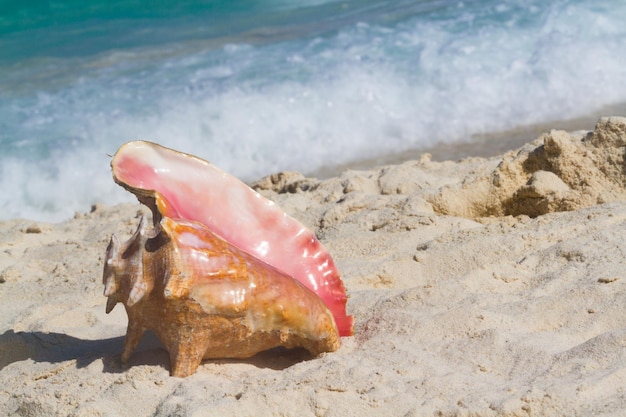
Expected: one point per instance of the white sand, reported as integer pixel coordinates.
(485, 287)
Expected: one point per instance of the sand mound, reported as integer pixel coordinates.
(565, 172)
(558, 172)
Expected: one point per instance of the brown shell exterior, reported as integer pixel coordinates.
(205, 299)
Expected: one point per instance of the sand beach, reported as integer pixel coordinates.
(480, 287)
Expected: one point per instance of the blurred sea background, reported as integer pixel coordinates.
(262, 86)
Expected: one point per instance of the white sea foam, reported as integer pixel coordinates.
(256, 108)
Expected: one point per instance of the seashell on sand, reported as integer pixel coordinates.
(204, 295)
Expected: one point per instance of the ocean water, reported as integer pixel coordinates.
(262, 86)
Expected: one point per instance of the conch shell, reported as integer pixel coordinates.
(224, 273)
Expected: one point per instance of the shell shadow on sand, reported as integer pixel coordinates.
(59, 347)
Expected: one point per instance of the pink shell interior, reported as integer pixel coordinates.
(190, 188)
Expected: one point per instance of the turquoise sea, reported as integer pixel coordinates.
(268, 85)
